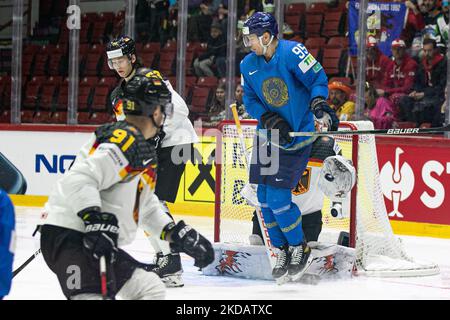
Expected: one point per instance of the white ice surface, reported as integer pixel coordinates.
(36, 281)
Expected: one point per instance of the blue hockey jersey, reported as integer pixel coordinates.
(286, 85)
(7, 239)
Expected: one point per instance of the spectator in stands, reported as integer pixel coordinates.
(216, 111)
(339, 95)
(399, 76)
(200, 24)
(215, 53)
(376, 62)
(439, 118)
(436, 23)
(380, 110)
(158, 15)
(239, 100)
(424, 102)
(414, 23)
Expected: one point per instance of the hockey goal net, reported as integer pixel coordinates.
(378, 251)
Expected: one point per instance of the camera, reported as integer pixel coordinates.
(336, 210)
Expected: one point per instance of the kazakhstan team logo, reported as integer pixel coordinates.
(275, 92)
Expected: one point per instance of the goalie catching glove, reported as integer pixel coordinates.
(273, 121)
(102, 232)
(188, 240)
(323, 113)
(337, 177)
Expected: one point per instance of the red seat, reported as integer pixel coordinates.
(98, 31)
(83, 118)
(101, 118)
(170, 46)
(147, 59)
(58, 117)
(151, 47)
(319, 7)
(91, 64)
(106, 16)
(31, 93)
(100, 98)
(111, 82)
(406, 124)
(207, 82)
(47, 96)
(293, 22)
(54, 64)
(313, 25)
(62, 96)
(30, 49)
(331, 27)
(5, 116)
(315, 42)
(165, 67)
(84, 95)
(42, 117)
(337, 42)
(26, 116)
(200, 97)
(330, 61)
(295, 9)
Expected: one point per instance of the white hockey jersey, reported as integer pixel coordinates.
(307, 195)
(178, 129)
(115, 171)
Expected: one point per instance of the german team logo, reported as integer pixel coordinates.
(275, 92)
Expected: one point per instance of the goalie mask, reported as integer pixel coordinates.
(337, 177)
(142, 95)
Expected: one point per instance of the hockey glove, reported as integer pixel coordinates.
(101, 234)
(188, 240)
(272, 121)
(323, 112)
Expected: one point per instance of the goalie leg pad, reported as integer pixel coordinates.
(143, 285)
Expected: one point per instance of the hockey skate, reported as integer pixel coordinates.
(168, 268)
(300, 260)
(280, 271)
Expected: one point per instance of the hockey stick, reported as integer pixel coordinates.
(391, 132)
(103, 278)
(262, 225)
(26, 262)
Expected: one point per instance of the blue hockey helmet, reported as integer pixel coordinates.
(259, 23)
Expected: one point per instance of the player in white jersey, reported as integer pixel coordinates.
(174, 145)
(107, 194)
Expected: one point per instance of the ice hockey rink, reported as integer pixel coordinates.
(37, 282)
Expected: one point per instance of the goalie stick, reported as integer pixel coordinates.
(402, 131)
(262, 225)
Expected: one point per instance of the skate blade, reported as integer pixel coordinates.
(297, 276)
(311, 279)
(283, 279)
(173, 281)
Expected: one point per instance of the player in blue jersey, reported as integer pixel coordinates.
(285, 90)
(7, 237)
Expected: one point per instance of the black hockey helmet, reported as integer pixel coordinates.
(142, 94)
(122, 46)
